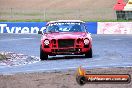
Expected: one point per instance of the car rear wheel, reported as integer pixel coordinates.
(43, 56)
(89, 54)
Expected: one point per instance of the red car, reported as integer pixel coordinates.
(66, 37)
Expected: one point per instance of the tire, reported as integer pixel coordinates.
(81, 80)
(43, 56)
(89, 54)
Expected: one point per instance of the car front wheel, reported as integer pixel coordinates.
(89, 54)
(43, 56)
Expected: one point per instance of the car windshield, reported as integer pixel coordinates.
(66, 27)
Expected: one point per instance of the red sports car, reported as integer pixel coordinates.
(66, 37)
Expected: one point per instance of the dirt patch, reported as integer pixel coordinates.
(58, 4)
(59, 79)
(57, 9)
(14, 59)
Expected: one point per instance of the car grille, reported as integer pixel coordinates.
(63, 43)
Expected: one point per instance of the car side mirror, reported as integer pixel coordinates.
(40, 32)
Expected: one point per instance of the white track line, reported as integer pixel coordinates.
(16, 39)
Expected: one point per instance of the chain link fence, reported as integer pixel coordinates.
(57, 14)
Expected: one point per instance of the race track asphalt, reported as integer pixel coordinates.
(108, 51)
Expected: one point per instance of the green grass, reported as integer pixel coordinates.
(107, 20)
(27, 20)
(40, 20)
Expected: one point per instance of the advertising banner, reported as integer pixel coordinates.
(34, 27)
(21, 27)
(92, 27)
(114, 28)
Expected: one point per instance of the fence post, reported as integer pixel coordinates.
(78, 14)
(45, 15)
(11, 13)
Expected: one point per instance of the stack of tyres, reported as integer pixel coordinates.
(120, 15)
(128, 10)
(119, 7)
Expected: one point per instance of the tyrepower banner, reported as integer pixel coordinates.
(22, 27)
(34, 27)
(114, 28)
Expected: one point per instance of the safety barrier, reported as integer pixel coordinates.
(92, 27)
(34, 27)
(123, 10)
(21, 27)
(114, 28)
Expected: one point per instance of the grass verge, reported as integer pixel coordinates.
(41, 20)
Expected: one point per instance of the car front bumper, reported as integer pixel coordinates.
(64, 51)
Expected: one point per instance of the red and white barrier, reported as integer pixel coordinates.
(114, 28)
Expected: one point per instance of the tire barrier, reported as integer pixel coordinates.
(123, 10)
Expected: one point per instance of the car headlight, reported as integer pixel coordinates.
(86, 41)
(46, 42)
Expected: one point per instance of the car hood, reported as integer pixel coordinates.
(66, 35)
